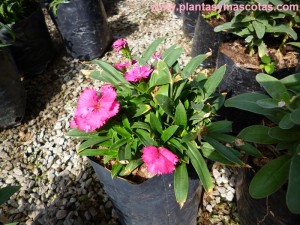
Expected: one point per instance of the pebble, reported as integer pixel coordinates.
(61, 214)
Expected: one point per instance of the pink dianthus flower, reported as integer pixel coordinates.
(157, 56)
(119, 44)
(138, 72)
(159, 160)
(123, 66)
(93, 110)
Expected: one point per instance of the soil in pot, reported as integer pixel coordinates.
(240, 76)
(12, 92)
(83, 27)
(151, 202)
(32, 48)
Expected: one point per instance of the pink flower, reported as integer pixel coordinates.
(93, 110)
(159, 160)
(119, 44)
(138, 72)
(157, 56)
(123, 66)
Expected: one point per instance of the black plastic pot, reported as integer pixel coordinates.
(238, 80)
(206, 40)
(190, 17)
(177, 7)
(32, 48)
(83, 27)
(12, 92)
(267, 211)
(152, 202)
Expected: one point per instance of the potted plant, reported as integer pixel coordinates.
(83, 27)
(147, 130)
(12, 92)
(275, 177)
(32, 47)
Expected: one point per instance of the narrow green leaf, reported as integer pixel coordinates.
(296, 44)
(116, 168)
(284, 135)
(81, 134)
(270, 177)
(291, 80)
(192, 65)
(171, 57)
(166, 104)
(164, 72)
(155, 123)
(145, 138)
(132, 165)
(125, 153)
(122, 131)
(168, 133)
(176, 144)
(180, 115)
(91, 142)
(7, 192)
(141, 125)
(158, 79)
(141, 109)
(219, 127)
(104, 76)
(214, 80)
(295, 116)
(268, 103)
(99, 152)
(293, 194)
(181, 184)
(209, 152)
(179, 87)
(189, 137)
(126, 123)
(250, 150)
(200, 166)
(286, 122)
(118, 144)
(258, 134)
(150, 50)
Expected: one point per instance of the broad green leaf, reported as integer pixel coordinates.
(291, 80)
(214, 80)
(150, 50)
(180, 115)
(145, 138)
(223, 150)
(286, 122)
(259, 28)
(168, 133)
(258, 134)
(268, 103)
(295, 116)
(166, 104)
(296, 44)
(91, 142)
(155, 123)
(132, 165)
(282, 29)
(192, 65)
(164, 71)
(181, 184)
(209, 152)
(158, 79)
(250, 149)
(141, 109)
(270, 177)
(224, 26)
(262, 48)
(200, 166)
(116, 168)
(81, 135)
(99, 152)
(219, 127)
(284, 135)
(171, 57)
(272, 85)
(293, 194)
(7, 192)
(265, 59)
(270, 68)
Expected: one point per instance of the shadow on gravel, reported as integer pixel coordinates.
(111, 7)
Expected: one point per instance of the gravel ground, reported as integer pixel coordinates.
(59, 187)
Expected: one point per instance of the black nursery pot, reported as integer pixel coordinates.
(32, 49)
(206, 40)
(12, 92)
(267, 211)
(238, 80)
(83, 27)
(151, 202)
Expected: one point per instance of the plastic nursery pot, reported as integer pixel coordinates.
(12, 92)
(177, 11)
(32, 48)
(267, 211)
(238, 80)
(206, 40)
(190, 16)
(151, 202)
(83, 27)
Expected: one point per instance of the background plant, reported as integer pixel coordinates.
(174, 108)
(5, 194)
(55, 3)
(282, 107)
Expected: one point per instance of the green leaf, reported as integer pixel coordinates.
(214, 80)
(192, 65)
(125, 153)
(150, 50)
(270, 68)
(295, 116)
(223, 126)
(272, 85)
(141, 109)
(155, 123)
(223, 150)
(209, 152)
(296, 44)
(293, 194)
(166, 104)
(168, 133)
(268, 103)
(176, 144)
(116, 168)
(189, 137)
(145, 138)
(250, 150)
(224, 26)
(282, 29)
(99, 152)
(131, 166)
(286, 122)
(291, 80)
(104, 76)
(171, 56)
(7, 192)
(81, 135)
(126, 123)
(180, 115)
(179, 87)
(284, 135)
(141, 125)
(266, 59)
(181, 184)
(122, 131)
(91, 142)
(259, 28)
(200, 166)
(258, 134)
(158, 79)
(270, 177)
